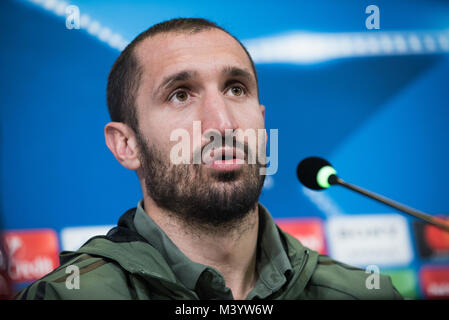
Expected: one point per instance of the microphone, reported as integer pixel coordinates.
(318, 174)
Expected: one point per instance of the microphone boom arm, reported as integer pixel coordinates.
(334, 180)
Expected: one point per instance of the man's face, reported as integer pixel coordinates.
(204, 77)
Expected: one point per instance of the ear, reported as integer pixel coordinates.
(121, 140)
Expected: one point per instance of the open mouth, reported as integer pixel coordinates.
(227, 154)
(226, 159)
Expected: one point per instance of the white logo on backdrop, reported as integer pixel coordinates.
(370, 239)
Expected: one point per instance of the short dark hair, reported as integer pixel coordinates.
(125, 74)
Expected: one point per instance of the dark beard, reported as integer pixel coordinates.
(196, 194)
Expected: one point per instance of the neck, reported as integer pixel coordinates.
(231, 249)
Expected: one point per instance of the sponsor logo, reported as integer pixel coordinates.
(432, 242)
(32, 253)
(435, 282)
(361, 240)
(309, 231)
(72, 238)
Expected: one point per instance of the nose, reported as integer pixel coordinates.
(216, 113)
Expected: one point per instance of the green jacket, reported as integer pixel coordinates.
(123, 265)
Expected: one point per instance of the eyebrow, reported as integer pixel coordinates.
(171, 80)
(235, 72)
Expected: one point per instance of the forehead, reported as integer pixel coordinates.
(204, 51)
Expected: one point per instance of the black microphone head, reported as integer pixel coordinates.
(314, 172)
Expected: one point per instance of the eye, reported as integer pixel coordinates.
(180, 96)
(236, 91)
